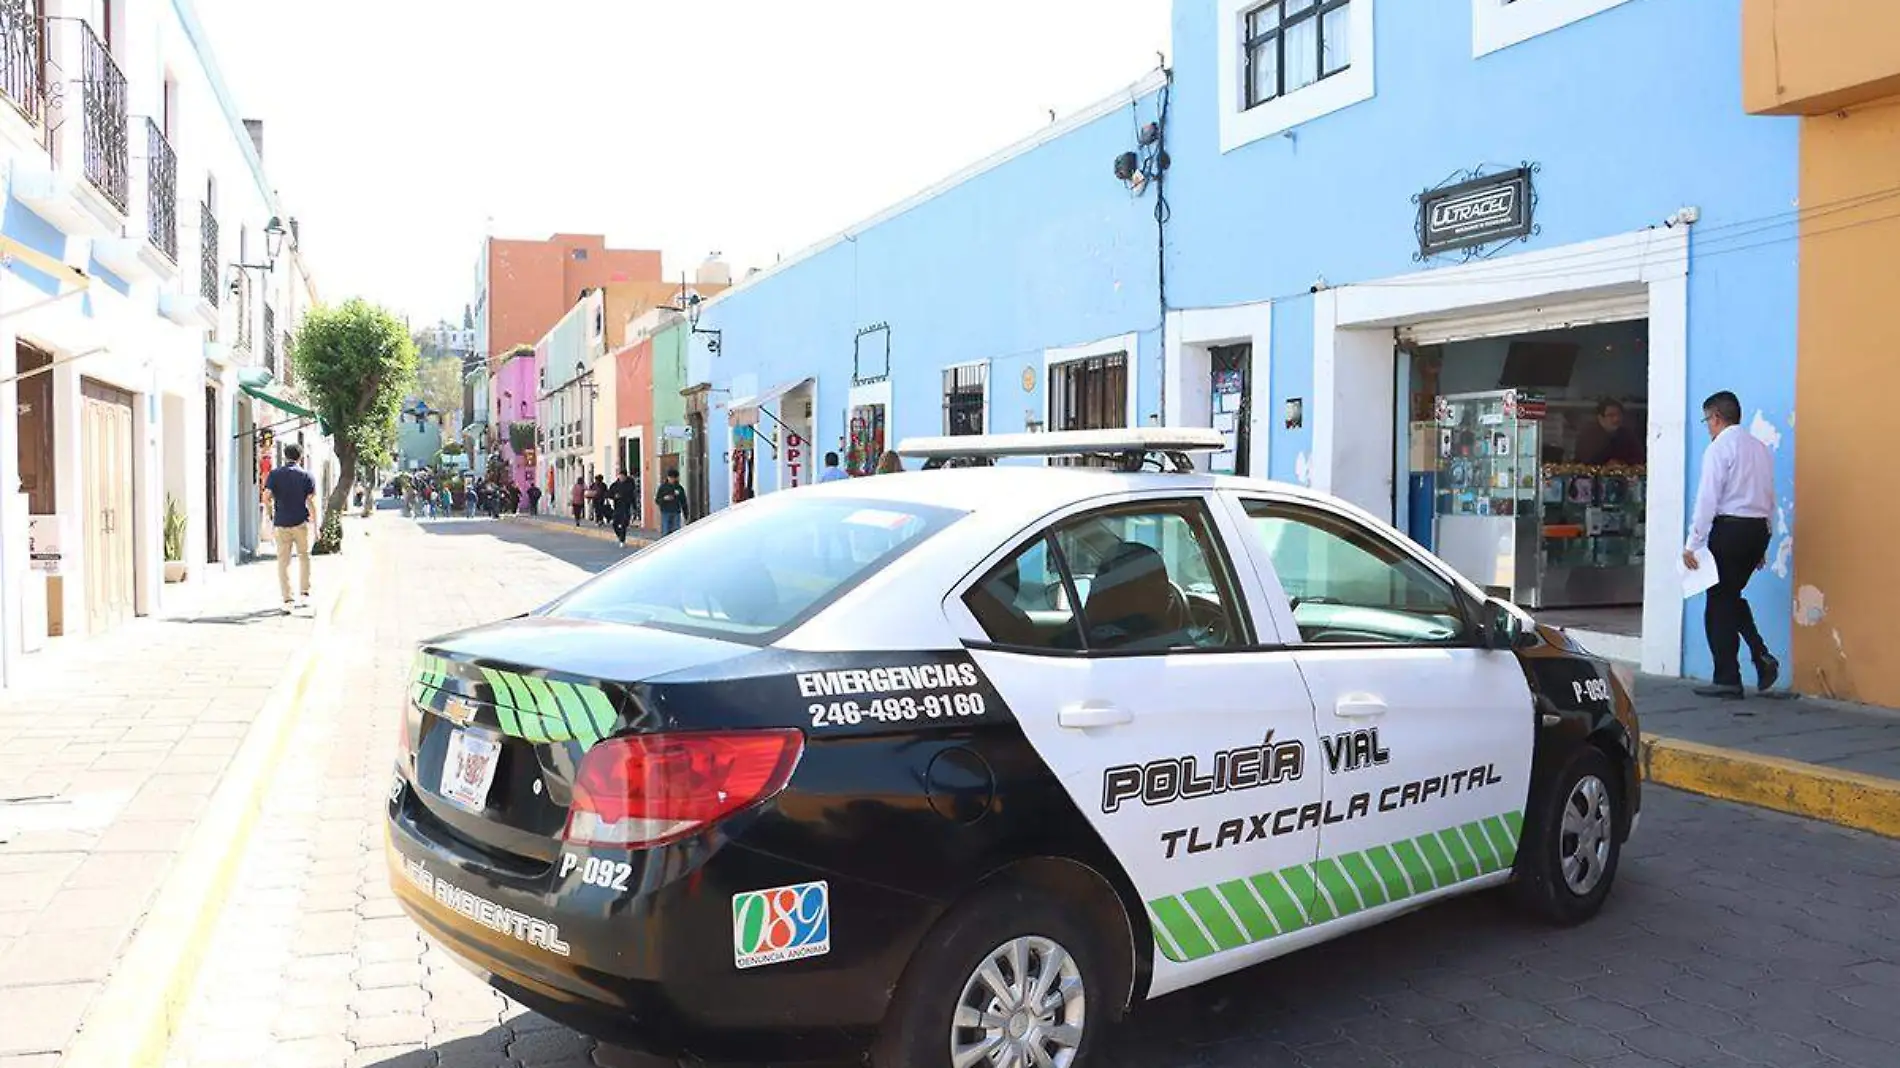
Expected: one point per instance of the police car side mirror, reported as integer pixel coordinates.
(1504, 628)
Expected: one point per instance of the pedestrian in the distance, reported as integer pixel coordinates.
(1733, 503)
(622, 495)
(671, 499)
(534, 499)
(603, 504)
(292, 494)
(831, 472)
(890, 463)
(577, 500)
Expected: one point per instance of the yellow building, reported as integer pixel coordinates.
(1836, 64)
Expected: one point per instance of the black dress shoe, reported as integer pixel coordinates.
(1726, 693)
(1767, 671)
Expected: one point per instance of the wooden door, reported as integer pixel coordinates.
(106, 439)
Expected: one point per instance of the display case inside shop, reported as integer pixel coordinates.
(1512, 519)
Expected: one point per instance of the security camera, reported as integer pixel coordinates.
(237, 287)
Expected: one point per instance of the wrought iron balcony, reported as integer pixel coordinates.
(105, 118)
(208, 271)
(22, 48)
(270, 341)
(161, 192)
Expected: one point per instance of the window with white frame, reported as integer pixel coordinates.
(1290, 44)
(966, 390)
(1283, 63)
(1499, 24)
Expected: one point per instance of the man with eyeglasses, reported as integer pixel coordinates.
(1733, 503)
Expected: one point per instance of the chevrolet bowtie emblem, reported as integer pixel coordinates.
(458, 711)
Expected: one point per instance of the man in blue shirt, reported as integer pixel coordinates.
(292, 494)
(831, 472)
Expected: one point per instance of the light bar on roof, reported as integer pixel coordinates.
(1149, 439)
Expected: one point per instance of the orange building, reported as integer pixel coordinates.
(1836, 64)
(527, 286)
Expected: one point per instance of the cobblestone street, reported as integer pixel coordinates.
(1736, 937)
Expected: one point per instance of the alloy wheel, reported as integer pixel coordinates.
(1023, 1007)
(1587, 834)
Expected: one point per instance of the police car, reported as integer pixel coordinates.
(954, 767)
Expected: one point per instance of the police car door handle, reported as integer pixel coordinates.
(1093, 714)
(1358, 706)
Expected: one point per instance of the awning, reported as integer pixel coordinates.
(752, 404)
(259, 384)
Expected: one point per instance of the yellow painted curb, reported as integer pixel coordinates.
(1846, 798)
(131, 1023)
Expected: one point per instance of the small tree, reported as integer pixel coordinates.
(356, 362)
(439, 383)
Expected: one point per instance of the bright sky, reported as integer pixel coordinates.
(396, 129)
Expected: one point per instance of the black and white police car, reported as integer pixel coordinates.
(955, 766)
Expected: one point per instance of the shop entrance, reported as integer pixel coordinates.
(1526, 466)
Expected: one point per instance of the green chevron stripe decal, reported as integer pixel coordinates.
(1202, 922)
(529, 707)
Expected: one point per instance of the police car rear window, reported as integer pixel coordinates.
(759, 569)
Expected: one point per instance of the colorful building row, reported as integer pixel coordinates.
(1471, 265)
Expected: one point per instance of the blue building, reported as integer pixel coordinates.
(959, 306)
(1472, 265)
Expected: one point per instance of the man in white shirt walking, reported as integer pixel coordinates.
(1733, 503)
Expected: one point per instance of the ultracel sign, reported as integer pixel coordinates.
(1495, 207)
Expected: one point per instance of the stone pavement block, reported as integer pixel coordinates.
(41, 957)
(40, 1019)
(391, 1029)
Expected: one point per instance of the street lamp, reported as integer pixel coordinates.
(689, 306)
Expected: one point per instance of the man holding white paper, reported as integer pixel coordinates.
(1733, 503)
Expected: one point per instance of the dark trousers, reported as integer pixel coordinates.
(1738, 545)
(623, 518)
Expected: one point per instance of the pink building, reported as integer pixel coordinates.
(515, 387)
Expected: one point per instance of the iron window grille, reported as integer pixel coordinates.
(161, 192)
(208, 255)
(243, 295)
(1291, 44)
(105, 119)
(270, 340)
(963, 390)
(1088, 394)
(22, 58)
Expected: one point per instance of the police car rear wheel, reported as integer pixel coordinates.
(1569, 855)
(1010, 979)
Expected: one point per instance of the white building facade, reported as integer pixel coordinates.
(150, 289)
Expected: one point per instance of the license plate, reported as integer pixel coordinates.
(468, 768)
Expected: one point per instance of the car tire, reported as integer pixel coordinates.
(988, 933)
(1572, 843)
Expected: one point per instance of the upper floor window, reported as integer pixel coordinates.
(1293, 43)
(1283, 63)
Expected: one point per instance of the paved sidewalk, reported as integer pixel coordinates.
(637, 537)
(109, 750)
(1822, 759)
(1835, 734)
(313, 963)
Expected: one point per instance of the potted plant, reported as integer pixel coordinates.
(174, 540)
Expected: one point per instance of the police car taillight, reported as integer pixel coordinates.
(649, 789)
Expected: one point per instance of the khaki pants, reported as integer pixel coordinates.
(298, 538)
